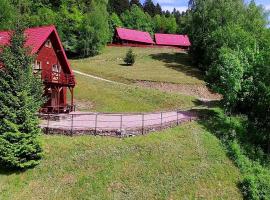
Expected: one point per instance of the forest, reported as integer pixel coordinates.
(85, 27)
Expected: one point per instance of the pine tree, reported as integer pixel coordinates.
(20, 99)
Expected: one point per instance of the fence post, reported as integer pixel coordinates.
(72, 124)
(48, 117)
(142, 124)
(161, 117)
(96, 122)
(121, 123)
(177, 112)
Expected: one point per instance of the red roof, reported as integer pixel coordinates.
(134, 35)
(172, 40)
(35, 38)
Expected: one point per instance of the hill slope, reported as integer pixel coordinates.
(152, 64)
(181, 163)
(100, 96)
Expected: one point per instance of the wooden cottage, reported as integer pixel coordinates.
(51, 65)
(181, 41)
(129, 37)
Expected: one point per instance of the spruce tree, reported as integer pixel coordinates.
(158, 9)
(149, 7)
(118, 6)
(130, 57)
(20, 99)
(136, 2)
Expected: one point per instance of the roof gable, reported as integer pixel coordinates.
(134, 35)
(35, 39)
(172, 40)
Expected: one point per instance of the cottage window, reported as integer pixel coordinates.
(48, 44)
(37, 66)
(56, 68)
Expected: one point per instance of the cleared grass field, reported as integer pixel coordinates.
(186, 162)
(152, 64)
(100, 96)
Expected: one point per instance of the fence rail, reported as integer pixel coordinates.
(112, 124)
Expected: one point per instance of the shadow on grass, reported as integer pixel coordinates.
(7, 172)
(125, 65)
(180, 62)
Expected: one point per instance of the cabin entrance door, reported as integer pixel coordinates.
(54, 99)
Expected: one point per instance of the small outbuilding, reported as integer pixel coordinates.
(51, 65)
(181, 41)
(129, 37)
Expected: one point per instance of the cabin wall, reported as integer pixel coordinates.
(48, 57)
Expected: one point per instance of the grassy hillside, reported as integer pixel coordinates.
(95, 95)
(182, 163)
(152, 64)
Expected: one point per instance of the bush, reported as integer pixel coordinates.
(130, 58)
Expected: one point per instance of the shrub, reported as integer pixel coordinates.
(130, 58)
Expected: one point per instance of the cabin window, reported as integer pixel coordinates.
(48, 44)
(56, 68)
(37, 66)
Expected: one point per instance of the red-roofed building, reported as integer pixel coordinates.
(51, 65)
(131, 37)
(172, 40)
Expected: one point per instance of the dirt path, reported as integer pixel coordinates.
(98, 78)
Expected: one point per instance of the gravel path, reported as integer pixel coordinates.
(106, 122)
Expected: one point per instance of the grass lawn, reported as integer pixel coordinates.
(152, 64)
(186, 162)
(96, 95)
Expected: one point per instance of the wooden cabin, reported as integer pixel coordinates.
(51, 65)
(181, 41)
(129, 37)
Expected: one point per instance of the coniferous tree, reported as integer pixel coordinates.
(149, 7)
(20, 99)
(136, 2)
(158, 9)
(130, 57)
(118, 6)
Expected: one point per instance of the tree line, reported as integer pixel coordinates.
(231, 44)
(86, 26)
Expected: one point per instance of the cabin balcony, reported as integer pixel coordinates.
(56, 78)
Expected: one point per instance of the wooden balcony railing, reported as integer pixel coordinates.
(48, 76)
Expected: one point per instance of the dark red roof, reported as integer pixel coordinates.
(134, 35)
(172, 40)
(35, 38)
